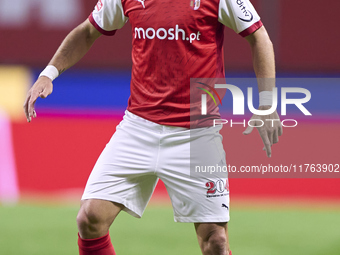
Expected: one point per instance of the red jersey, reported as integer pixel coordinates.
(173, 41)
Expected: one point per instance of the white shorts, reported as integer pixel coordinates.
(141, 152)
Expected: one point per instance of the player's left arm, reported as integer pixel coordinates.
(264, 66)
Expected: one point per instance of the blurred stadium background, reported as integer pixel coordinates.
(44, 165)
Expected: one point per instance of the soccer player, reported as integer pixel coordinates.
(173, 41)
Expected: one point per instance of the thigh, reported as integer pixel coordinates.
(124, 171)
(200, 197)
(198, 200)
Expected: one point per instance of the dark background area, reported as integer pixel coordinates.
(304, 32)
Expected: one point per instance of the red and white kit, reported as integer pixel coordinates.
(172, 41)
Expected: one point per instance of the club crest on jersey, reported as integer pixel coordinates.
(195, 4)
(99, 5)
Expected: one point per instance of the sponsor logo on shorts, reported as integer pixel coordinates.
(217, 188)
(170, 34)
(225, 206)
(248, 16)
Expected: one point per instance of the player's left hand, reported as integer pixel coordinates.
(269, 131)
(41, 88)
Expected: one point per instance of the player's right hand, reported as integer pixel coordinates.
(41, 88)
(269, 130)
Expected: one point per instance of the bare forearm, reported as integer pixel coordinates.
(75, 46)
(263, 59)
(264, 66)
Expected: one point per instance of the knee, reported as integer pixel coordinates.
(91, 223)
(87, 217)
(216, 243)
(96, 216)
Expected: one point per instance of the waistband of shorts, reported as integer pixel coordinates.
(129, 116)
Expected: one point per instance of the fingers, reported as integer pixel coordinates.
(270, 136)
(29, 105)
(248, 130)
(26, 108)
(42, 88)
(267, 137)
(266, 142)
(269, 128)
(275, 137)
(44, 93)
(280, 130)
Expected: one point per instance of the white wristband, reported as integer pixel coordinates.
(50, 71)
(266, 98)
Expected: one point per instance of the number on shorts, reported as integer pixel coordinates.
(211, 187)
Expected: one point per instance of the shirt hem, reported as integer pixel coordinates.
(102, 31)
(201, 219)
(251, 29)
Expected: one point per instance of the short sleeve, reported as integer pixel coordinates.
(239, 15)
(108, 16)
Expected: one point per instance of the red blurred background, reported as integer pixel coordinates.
(304, 33)
(56, 153)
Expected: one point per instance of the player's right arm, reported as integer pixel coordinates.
(73, 48)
